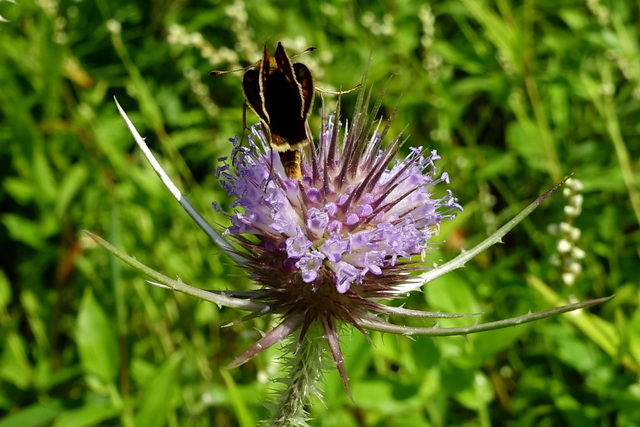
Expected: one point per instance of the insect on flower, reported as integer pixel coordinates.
(327, 250)
(281, 94)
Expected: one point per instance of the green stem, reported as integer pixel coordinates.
(608, 110)
(305, 372)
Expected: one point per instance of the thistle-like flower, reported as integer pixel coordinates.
(326, 249)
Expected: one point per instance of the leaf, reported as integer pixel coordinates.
(524, 138)
(91, 414)
(490, 343)
(5, 291)
(386, 396)
(73, 182)
(14, 365)
(20, 190)
(634, 336)
(451, 294)
(37, 415)
(96, 340)
(479, 395)
(23, 230)
(43, 175)
(238, 401)
(157, 394)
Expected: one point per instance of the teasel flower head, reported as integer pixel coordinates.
(326, 249)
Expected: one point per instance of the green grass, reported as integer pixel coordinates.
(513, 96)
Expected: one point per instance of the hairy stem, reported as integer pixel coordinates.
(305, 371)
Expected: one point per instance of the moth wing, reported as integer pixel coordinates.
(265, 72)
(254, 83)
(284, 64)
(299, 79)
(305, 82)
(251, 87)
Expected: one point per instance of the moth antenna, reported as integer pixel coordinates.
(220, 72)
(340, 92)
(307, 50)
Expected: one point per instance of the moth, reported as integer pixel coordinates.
(281, 93)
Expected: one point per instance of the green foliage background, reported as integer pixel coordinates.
(514, 95)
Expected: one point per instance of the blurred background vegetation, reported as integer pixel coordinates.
(513, 95)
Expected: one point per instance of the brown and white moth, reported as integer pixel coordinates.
(281, 94)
